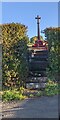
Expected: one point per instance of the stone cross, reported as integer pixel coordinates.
(38, 18)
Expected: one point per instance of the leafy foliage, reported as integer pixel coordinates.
(15, 69)
(53, 36)
(33, 39)
(13, 95)
(40, 93)
(51, 88)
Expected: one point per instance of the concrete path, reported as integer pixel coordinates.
(42, 107)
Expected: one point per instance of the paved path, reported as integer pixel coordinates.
(42, 107)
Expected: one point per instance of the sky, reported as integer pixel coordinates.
(25, 13)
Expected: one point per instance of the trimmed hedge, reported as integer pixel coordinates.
(14, 50)
(53, 38)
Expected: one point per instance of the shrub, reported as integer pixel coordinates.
(12, 95)
(53, 37)
(14, 51)
(51, 88)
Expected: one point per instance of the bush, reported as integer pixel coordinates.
(14, 51)
(51, 88)
(53, 37)
(12, 95)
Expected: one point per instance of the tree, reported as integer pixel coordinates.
(53, 36)
(33, 39)
(13, 63)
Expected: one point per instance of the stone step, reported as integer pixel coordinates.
(40, 73)
(37, 79)
(36, 82)
(35, 85)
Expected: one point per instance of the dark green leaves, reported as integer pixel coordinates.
(15, 69)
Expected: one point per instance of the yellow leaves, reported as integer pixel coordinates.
(11, 33)
(6, 66)
(35, 38)
(14, 44)
(8, 73)
(1, 93)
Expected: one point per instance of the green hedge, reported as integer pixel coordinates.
(14, 50)
(53, 38)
